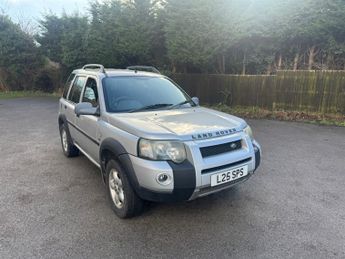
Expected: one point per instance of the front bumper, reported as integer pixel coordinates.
(181, 187)
(188, 180)
(253, 164)
(257, 152)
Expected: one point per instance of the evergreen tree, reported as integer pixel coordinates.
(19, 56)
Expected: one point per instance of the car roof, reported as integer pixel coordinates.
(110, 72)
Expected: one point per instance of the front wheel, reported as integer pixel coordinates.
(123, 200)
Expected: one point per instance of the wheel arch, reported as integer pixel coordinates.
(62, 120)
(112, 149)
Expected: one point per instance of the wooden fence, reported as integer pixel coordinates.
(314, 91)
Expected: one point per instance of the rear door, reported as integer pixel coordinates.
(88, 124)
(68, 85)
(73, 98)
(63, 99)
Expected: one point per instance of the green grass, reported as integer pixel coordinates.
(300, 116)
(21, 94)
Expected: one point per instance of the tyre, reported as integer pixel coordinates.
(68, 148)
(123, 200)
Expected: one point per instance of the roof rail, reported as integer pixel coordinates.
(144, 69)
(92, 66)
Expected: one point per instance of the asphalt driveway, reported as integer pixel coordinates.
(53, 207)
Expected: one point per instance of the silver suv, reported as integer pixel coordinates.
(151, 141)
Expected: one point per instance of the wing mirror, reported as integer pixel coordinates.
(86, 109)
(195, 100)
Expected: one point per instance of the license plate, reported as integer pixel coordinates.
(229, 175)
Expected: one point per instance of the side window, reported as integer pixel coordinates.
(90, 93)
(67, 85)
(77, 87)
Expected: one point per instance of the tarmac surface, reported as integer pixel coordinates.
(54, 207)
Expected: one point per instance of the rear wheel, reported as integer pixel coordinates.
(68, 148)
(123, 200)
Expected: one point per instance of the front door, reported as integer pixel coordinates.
(88, 124)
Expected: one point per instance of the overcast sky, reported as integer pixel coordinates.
(32, 9)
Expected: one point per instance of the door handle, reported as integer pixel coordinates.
(65, 106)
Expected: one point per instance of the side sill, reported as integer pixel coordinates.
(87, 155)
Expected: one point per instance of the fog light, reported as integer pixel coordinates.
(163, 179)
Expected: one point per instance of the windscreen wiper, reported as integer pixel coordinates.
(152, 107)
(181, 103)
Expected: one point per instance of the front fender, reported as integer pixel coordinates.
(119, 153)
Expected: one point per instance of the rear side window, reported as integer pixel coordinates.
(67, 85)
(77, 87)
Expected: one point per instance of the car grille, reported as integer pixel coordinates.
(220, 149)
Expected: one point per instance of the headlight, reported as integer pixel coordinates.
(249, 132)
(162, 150)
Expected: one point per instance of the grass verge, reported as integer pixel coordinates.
(259, 113)
(21, 94)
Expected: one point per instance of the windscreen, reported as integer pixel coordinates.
(128, 94)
